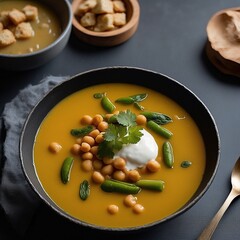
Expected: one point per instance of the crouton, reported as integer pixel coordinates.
(103, 6)
(30, 12)
(6, 38)
(24, 30)
(104, 23)
(119, 19)
(85, 6)
(119, 6)
(88, 19)
(17, 16)
(4, 18)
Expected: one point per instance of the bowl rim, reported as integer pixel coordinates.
(179, 212)
(129, 25)
(56, 42)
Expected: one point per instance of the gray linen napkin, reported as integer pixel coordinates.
(16, 196)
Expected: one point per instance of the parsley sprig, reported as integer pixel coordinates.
(122, 132)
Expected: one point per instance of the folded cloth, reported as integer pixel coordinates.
(17, 198)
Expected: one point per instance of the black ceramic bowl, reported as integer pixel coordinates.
(21, 62)
(159, 82)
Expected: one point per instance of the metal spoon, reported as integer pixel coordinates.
(235, 191)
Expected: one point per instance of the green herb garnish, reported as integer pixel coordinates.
(84, 190)
(123, 131)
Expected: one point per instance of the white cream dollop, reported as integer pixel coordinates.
(137, 155)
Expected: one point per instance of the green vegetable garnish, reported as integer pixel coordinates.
(84, 190)
(81, 132)
(99, 95)
(186, 164)
(158, 118)
(66, 169)
(123, 131)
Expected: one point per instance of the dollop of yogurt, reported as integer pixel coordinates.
(137, 155)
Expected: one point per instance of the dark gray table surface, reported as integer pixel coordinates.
(170, 39)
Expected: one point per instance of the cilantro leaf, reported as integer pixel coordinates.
(126, 118)
(123, 131)
(134, 134)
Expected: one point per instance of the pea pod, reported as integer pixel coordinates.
(107, 104)
(80, 132)
(156, 185)
(125, 100)
(168, 156)
(164, 132)
(84, 190)
(66, 169)
(111, 185)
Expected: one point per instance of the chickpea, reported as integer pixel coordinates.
(141, 119)
(97, 119)
(76, 148)
(138, 208)
(94, 133)
(119, 163)
(85, 147)
(87, 156)
(86, 120)
(107, 170)
(88, 139)
(87, 165)
(99, 138)
(54, 147)
(97, 164)
(119, 175)
(130, 200)
(153, 165)
(143, 170)
(108, 115)
(107, 160)
(94, 150)
(113, 209)
(97, 177)
(133, 175)
(102, 126)
(79, 140)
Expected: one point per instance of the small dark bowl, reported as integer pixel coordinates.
(21, 62)
(153, 80)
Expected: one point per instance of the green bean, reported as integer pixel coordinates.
(159, 129)
(111, 185)
(125, 100)
(98, 95)
(138, 106)
(156, 185)
(168, 156)
(66, 169)
(81, 132)
(84, 190)
(107, 104)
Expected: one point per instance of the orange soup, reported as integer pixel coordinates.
(180, 183)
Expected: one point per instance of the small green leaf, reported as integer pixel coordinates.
(139, 97)
(126, 118)
(84, 190)
(186, 164)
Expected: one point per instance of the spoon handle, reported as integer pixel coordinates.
(209, 230)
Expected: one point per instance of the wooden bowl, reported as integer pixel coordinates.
(111, 37)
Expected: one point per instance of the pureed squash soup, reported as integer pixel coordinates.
(181, 179)
(43, 26)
